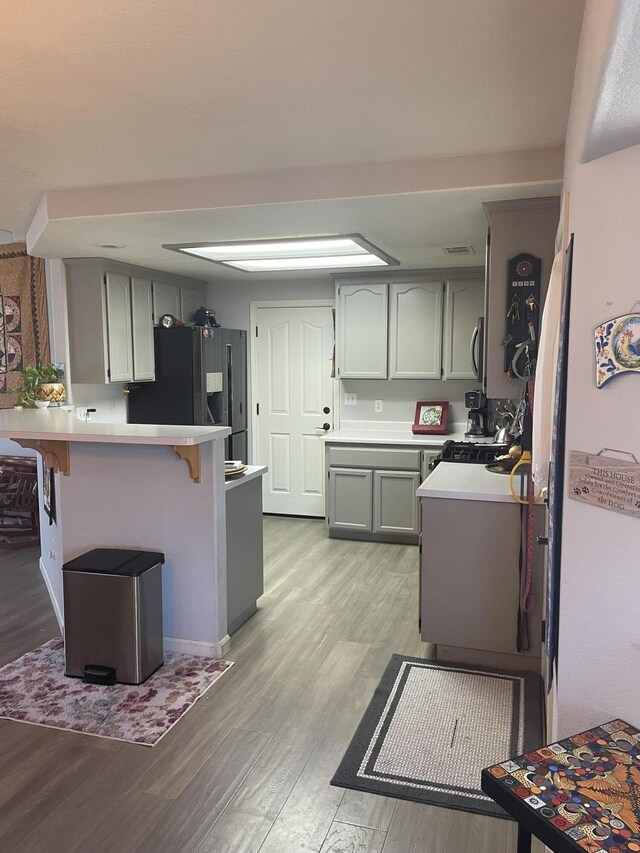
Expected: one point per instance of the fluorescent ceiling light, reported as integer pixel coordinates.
(327, 262)
(300, 253)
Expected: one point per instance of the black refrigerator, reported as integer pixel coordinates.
(201, 378)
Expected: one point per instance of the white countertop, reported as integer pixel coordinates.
(59, 425)
(251, 473)
(465, 481)
(399, 436)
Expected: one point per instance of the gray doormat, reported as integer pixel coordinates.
(431, 728)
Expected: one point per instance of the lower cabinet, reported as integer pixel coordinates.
(350, 499)
(371, 492)
(395, 506)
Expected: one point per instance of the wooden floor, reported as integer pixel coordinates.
(248, 768)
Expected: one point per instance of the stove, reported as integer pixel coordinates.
(468, 451)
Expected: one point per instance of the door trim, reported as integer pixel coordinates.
(253, 352)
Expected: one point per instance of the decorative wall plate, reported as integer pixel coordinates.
(617, 344)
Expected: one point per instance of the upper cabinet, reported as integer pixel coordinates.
(393, 329)
(191, 298)
(362, 330)
(111, 310)
(515, 226)
(117, 290)
(142, 329)
(181, 300)
(464, 304)
(415, 330)
(166, 300)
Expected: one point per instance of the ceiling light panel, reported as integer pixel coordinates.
(303, 253)
(326, 262)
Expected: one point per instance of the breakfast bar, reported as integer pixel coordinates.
(147, 487)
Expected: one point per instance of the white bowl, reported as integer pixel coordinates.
(41, 404)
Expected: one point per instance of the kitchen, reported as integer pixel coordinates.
(407, 331)
(583, 653)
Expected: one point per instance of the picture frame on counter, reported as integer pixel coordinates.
(431, 417)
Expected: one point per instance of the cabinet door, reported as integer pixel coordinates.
(464, 303)
(118, 299)
(395, 505)
(142, 321)
(166, 300)
(415, 330)
(362, 331)
(350, 499)
(191, 299)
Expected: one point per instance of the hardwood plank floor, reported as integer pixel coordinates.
(247, 770)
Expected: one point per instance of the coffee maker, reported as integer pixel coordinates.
(476, 402)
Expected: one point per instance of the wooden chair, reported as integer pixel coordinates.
(19, 512)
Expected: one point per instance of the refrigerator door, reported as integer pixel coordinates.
(236, 446)
(201, 379)
(235, 353)
(170, 399)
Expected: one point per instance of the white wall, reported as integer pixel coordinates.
(599, 643)
(231, 301)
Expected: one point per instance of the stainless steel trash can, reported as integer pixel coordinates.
(113, 615)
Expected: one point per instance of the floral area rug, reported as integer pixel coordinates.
(34, 689)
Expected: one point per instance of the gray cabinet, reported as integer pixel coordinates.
(119, 327)
(350, 499)
(245, 574)
(415, 330)
(392, 327)
(371, 491)
(166, 300)
(395, 507)
(110, 308)
(464, 304)
(190, 300)
(110, 335)
(470, 582)
(362, 330)
(142, 329)
(180, 300)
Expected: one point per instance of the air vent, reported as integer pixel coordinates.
(458, 250)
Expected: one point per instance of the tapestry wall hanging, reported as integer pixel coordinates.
(24, 325)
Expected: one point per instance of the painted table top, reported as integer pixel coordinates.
(579, 794)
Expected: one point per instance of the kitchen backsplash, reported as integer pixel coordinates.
(108, 401)
(399, 397)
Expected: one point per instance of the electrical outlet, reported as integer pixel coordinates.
(377, 405)
(350, 399)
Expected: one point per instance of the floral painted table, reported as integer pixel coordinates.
(579, 794)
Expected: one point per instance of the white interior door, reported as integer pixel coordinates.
(293, 387)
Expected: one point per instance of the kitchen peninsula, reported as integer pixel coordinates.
(156, 488)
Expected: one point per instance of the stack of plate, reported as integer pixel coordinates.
(234, 466)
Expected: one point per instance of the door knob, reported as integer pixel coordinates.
(324, 426)
(326, 410)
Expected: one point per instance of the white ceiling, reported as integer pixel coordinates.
(104, 95)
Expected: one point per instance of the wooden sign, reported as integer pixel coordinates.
(605, 481)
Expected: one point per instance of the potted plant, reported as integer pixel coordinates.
(40, 383)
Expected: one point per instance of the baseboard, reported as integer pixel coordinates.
(54, 601)
(498, 660)
(198, 647)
